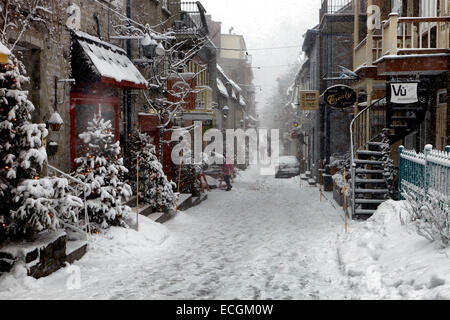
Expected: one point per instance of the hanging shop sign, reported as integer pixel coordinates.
(309, 100)
(339, 96)
(403, 93)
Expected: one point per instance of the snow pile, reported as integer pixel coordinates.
(338, 179)
(211, 181)
(389, 260)
(108, 252)
(117, 242)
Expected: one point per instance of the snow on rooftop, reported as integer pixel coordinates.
(242, 101)
(110, 60)
(233, 84)
(221, 87)
(4, 49)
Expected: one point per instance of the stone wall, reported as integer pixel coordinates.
(43, 256)
(47, 57)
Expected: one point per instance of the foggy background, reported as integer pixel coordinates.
(267, 24)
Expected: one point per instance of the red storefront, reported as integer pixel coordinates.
(178, 87)
(101, 70)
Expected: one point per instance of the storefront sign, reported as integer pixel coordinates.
(339, 96)
(403, 93)
(309, 100)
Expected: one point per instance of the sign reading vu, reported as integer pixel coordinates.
(339, 96)
(403, 93)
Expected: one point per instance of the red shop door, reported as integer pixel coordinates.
(82, 110)
(148, 123)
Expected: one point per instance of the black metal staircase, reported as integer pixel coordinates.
(370, 187)
(369, 183)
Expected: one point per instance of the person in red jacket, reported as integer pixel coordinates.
(228, 170)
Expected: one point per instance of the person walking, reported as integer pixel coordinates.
(228, 170)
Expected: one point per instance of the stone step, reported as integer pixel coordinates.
(75, 250)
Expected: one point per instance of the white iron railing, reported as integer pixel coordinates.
(86, 191)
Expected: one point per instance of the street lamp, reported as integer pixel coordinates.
(225, 111)
(151, 48)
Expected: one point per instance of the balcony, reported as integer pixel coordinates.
(191, 19)
(365, 54)
(203, 100)
(203, 110)
(414, 44)
(335, 7)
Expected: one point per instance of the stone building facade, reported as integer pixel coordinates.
(47, 57)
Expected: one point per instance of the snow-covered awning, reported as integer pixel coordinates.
(4, 50)
(222, 88)
(106, 63)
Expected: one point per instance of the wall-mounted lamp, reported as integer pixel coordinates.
(225, 111)
(65, 81)
(55, 122)
(151, 48)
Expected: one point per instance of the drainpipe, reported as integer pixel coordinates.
(127, 92)
(99, 30)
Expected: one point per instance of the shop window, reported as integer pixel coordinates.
(83, 109)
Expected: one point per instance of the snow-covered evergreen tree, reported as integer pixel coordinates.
(154, 188)
(101, 167)
(28, 203)
(190, 178)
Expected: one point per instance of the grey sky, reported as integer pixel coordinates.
(264, 24)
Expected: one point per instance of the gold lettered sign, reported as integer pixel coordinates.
(339, 96)
(309, 100)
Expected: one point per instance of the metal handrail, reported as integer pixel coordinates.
(86, 189)
(352, 152)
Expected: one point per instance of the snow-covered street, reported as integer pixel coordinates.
(265, 239)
